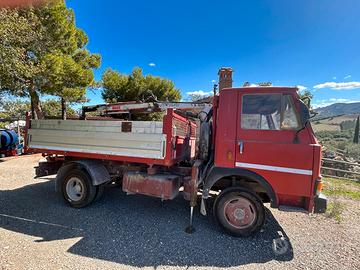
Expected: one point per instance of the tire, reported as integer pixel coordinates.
(77, 189)
(239, 212)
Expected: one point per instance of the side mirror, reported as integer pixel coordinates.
(304, 113)
(304, 118)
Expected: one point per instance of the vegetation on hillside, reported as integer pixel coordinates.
(340, 140)
(337, 134)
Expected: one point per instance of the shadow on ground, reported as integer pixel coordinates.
(134, 230)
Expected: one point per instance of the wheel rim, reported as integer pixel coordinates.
(239, 212)
(75, 189)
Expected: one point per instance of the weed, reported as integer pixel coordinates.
(335, 210)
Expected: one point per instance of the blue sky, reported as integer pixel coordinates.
(315, 44)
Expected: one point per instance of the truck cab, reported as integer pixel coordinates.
(264, 144)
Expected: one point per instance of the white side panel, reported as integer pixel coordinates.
(148, 127)
(100, 137)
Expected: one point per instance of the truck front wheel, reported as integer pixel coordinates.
(77, 188)
(239, 211)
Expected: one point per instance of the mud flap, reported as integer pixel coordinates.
(320, 204)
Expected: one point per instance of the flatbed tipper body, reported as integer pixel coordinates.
(250, 145)
(153, 142)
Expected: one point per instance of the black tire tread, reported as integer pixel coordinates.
(90, 189)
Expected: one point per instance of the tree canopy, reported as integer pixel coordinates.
(137, 87)
(306, 97)
(22, 42)
(43, 52)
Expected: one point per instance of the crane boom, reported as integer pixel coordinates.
(201, 109)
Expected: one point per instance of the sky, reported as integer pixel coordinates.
(312, 44)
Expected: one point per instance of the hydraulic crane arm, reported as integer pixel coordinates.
(200, 109)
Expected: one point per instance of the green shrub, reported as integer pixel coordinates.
(347, 125)
(342, 140)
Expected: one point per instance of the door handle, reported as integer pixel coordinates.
(241, 146)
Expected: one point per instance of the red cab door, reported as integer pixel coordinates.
(266, 144)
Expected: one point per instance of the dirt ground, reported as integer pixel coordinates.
(39, 231)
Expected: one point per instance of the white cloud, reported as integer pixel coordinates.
(196, 95)
(301, 87)
(339, 100)
(152, 64)
(347, 77)
(338, 86)
(334, 78)
(199, 93)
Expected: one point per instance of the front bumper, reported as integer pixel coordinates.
(320, 203)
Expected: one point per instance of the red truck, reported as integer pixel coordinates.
(249, 146)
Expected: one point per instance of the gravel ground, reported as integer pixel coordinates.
(38, 231)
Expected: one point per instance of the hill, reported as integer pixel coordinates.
(334, 123)
(337, 109)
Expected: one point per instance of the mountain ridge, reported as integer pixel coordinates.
(337, 109)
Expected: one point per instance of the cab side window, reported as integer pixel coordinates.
(268, 112)
(290, 118)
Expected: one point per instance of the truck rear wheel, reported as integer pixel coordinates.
(77, 188)
(239, 211)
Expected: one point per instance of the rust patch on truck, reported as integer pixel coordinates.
(164, 186)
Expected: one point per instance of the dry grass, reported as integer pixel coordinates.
(325, 127)
(331, 124)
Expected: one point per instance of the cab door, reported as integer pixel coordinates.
(266, 144)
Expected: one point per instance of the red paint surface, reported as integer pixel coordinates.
(268, 147)
(162, 186)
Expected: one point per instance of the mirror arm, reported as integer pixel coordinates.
(296, 138)
(313, 114)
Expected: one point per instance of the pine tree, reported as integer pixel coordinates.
(43, 52)
(357, 127)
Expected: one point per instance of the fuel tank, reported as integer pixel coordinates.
(164, 186)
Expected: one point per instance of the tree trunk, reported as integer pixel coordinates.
(36, 110)
(63, 109)
(33, 116)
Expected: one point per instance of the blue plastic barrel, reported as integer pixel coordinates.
(8, 139)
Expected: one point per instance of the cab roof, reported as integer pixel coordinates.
(264, 89)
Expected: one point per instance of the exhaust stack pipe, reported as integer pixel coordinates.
(225, 78)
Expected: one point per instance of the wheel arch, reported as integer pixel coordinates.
(96, 169)
(217, 173)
